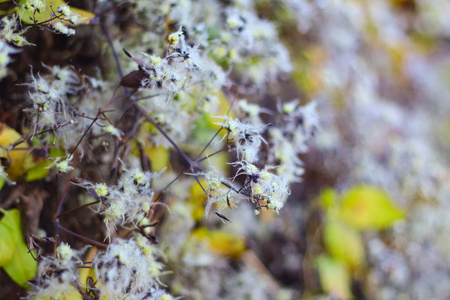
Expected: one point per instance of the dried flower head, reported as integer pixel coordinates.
(245, 138)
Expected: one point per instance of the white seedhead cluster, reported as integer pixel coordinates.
(127, 202)
(290, 138)
(267, 190)
(128, 270)
(245, 138)
(58, 275)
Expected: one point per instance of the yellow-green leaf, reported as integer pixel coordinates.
(369, 207)
(334, 277)
(21, 267)
(27, 16)
(327, 198)
(344, 243)
(8, 235)
(38, 167)
(38, 171)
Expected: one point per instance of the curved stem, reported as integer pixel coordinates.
(150, 119)
(93, 242)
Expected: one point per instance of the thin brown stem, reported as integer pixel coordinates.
(93, 242)
(77, 208)
(85, 133)
(150, 119)
(209, 143)
(170, 183)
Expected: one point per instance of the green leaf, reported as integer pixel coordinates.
(204, 129)
(26, 16)
(57, 152)
(334, 277)
(21, 267)
(38, 171)
(344, 243)
(8, 235)
(369, 207)
(2, 182)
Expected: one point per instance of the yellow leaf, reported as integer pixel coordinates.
(200, 234)
(159, 156)
(85, 16)
(15, 158)
(70, 294)
(86, 272)
(334, 277)
(197, 199)
(344, 243)
(226, 243)
(45, 15)
(219, 242)
(369, 207)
